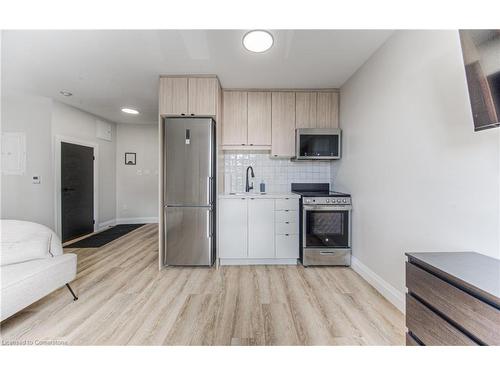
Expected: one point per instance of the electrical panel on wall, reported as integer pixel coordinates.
(13, 153)
(103, 130)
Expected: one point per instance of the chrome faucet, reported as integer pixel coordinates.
(248, 186)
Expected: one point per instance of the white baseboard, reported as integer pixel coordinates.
(248, 262)
(393, 295)
(137, 220)
(105, 224)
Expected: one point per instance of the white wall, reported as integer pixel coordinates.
(137, 185)
(420, 178)
(42, 119)
(21, 199)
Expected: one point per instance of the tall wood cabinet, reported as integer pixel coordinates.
(283, 124)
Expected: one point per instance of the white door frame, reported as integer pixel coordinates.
(57, 183)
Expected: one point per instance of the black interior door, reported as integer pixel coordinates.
(77, 190)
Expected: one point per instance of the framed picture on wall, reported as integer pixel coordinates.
(130, 158)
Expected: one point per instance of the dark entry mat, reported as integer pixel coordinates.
(106, 236)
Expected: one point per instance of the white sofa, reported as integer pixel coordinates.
(32, 265)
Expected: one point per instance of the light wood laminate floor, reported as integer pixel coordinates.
(125, 300)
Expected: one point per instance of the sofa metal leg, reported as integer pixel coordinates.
(72, 293)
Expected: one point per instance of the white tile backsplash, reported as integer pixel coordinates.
(277, 174)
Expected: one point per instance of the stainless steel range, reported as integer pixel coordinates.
(325, 225)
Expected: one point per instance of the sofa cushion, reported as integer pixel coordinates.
(23, 240)
(26, 282)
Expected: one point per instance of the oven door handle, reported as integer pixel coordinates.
(310, 207)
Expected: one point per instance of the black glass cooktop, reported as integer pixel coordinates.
(315, 190)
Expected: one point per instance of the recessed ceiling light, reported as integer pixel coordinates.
(65, 93)
(130, 111)
(258, 41)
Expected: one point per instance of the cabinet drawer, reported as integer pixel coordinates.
(287, 228)
(473, 316)
(287, 246)
(430, 328)
(287, 204)
(287, 216)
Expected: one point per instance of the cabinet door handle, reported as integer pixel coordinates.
(286, 234)
(287, 222)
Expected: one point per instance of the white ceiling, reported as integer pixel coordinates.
(107, 70)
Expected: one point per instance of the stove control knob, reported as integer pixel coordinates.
(328, 201)
(344, 200)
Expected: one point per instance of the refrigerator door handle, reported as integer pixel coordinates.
(209, 190)
(209, 223)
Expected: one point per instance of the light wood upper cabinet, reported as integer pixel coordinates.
(259, 118)
(202, 96)
(328, 110)
(173, 95)
(306, 109)
(234, 118)
(283, 124)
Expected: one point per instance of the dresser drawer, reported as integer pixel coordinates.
(479, 319)
(430, 328)
(287, 228)
(285, 204)
(287, 246)
(286, 216)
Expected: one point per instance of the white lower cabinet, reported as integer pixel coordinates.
(261, 228)
(233, 240)
(287, 246)
(258, 230)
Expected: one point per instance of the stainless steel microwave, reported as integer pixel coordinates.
(317, 144)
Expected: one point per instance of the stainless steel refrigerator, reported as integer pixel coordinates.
(189, 194)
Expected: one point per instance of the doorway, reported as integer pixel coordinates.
(76, 194)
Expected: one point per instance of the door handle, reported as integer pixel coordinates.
(68, 189)
(327, 252)
(209, 190)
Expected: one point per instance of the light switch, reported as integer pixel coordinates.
(36, 179)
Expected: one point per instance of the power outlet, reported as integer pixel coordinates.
(36, 180)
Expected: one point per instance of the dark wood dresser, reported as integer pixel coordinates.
(452, 299)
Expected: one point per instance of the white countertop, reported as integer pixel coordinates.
(260, 195)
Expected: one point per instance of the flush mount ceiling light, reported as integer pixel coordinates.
(130, 111)
(258, 41)
(65, 93)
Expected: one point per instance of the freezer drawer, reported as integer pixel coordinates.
(189, 236)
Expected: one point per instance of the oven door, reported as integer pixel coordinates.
(326, 226)
(318, 144)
